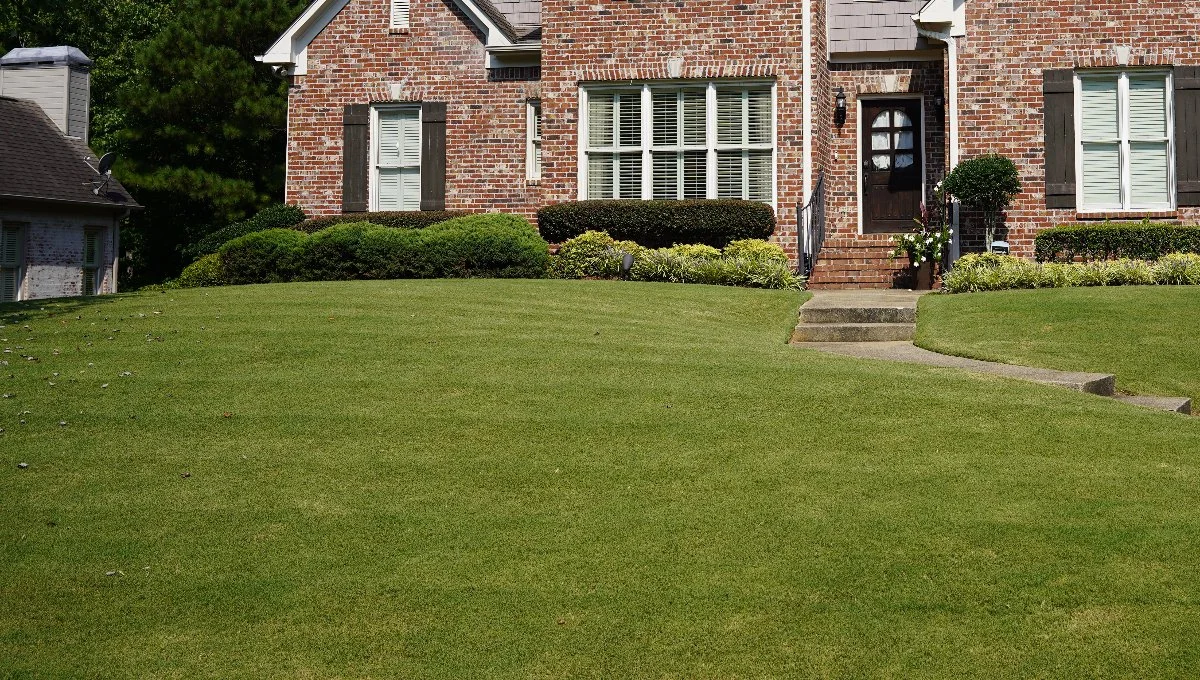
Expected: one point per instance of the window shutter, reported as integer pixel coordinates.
(1058, 94)
(1187, 135)
(356, 119)
(433, 156)
(10, 260)
(400, 13)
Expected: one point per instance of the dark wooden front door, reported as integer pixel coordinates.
(893, 179)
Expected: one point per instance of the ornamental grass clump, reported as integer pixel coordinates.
(983, 272)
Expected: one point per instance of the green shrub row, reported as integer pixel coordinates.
(413, 219)
(973, 273)
(1115, 240)
(658, 224)
(751, 263)
(279, 216)
(493, 245)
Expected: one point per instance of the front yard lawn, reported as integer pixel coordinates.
(1148, 336)
(560, 479)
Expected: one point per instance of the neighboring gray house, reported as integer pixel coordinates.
(59, 215)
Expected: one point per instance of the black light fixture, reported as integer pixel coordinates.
(839, 111)
(939, 107)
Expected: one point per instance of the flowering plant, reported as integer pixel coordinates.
(926, 243)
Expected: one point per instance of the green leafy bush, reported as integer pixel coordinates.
(279, 216)
(756, 249)
(262, 257)
(332, 254)
(494, 245)
(659, 224)
(973, 273)
(985, 183)
(1114, 240)
(697, 250)
(413, 219)
(668, 265)
(207, 271)
(593, 254)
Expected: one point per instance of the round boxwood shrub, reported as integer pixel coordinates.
(262, 257)
(496, 245)
(660, 224)
(593, 254)
(207, 271)
(279, 216)
(985, 183)
(332, 254)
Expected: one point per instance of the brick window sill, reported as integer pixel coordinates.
(399, 31)
(1126, 215)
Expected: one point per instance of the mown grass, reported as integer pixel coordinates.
(555, 479)
(1147, 336)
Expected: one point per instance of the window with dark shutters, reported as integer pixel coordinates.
(1187, 135)
(1058, 93)
(433, 156)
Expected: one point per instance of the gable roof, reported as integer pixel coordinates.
(38, 163)
(505, 23)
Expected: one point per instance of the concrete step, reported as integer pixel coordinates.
(853, 332)
(858, 314)
(1175, 404)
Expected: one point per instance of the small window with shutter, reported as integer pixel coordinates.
(533, 140)
(91, 261)
(11, 237)
(400, 14)
(1124, 154)
(396, 150)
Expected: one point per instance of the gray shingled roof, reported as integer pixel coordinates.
(37, 162)
(58, 56)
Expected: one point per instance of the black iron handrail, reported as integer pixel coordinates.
(811, 219)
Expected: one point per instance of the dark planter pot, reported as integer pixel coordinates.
(924, 277)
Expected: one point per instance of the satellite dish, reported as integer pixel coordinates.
(106, 163)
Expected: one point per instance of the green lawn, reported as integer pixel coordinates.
(558, 479)
(1147, 336)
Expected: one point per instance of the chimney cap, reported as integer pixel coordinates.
(53, 56)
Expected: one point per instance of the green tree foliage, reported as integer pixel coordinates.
(197, 124)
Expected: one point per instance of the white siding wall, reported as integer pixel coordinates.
(77, 107)
(46, 85)
(873, 26)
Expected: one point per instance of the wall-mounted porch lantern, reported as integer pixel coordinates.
(839, 111)
(939, 107)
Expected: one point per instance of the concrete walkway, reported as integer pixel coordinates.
(881, 324)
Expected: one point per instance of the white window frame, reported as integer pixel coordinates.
(373, 189)
(1123, 75)
(401, 14)
(22, 229)
(647, 132)
(533, 139)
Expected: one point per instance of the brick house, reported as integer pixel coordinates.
(60, 210)
(842, 114)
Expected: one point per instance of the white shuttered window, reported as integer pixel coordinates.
(1125, 143)
(397, 151)
(11, 236)
(686, 141)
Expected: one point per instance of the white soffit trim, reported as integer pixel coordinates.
(943, 12)
(290, 51)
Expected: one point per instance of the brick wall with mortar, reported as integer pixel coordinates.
(52, 251)
(1001, 60)
(850, 259)
(357, 59)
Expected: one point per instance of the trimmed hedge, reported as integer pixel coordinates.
(490, 245)
(207, 271)
(660, 224)
(415, 219)
(279, 216)
(1115, 240)
(974, 273)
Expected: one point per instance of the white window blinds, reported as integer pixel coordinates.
(397, 151)
(400, 13)
(10, 261)
(706, 140)
(1124, 141)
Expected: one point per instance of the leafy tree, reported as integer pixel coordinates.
(985, 183)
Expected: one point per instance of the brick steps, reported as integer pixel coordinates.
(846, 263)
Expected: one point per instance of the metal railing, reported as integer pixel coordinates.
(811, 218)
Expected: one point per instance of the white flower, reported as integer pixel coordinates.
(929, 240)
(922, 258)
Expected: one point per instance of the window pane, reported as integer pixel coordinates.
(1101, 175)
(695, 132)
(902, 120)
(881, 161)
(600, 119)
(600, 175)
(904, 141)
(666, 175)
(904, 160)
(629, 175)
(1147, 108)
(729, 174)
(882, 120)
(629, 125)
(1148, 174)
(759, 119)
(666, 118)
(399, 189)
(695, 174)
(399, 137)
(1099, 107)
(880, 141)
(729, 117)
(759, 179)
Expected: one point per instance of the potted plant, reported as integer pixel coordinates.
(925, 245)
(987, 184)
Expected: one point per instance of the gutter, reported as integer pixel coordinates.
(127, 207)
(951, 103)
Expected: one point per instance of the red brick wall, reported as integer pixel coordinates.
(1007, 47)
(357, 60)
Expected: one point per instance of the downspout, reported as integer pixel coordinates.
(806, 107)
(952, 103)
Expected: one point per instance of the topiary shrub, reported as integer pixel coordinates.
(413, 219)
(987, 184)
(279, 216)
(659, 224)
(207, 271)
(1112, 240)
(756, 249)
(262, 257)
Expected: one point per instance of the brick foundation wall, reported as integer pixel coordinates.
(52, 251)
(1000, 79)
(357, 59)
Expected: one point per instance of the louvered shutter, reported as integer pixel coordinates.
(1058, 93)
(356, 119)
(398, 157)
(10, 262)
(400, 13)
(1149, 143)
(1187, 135)
(433, 156)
